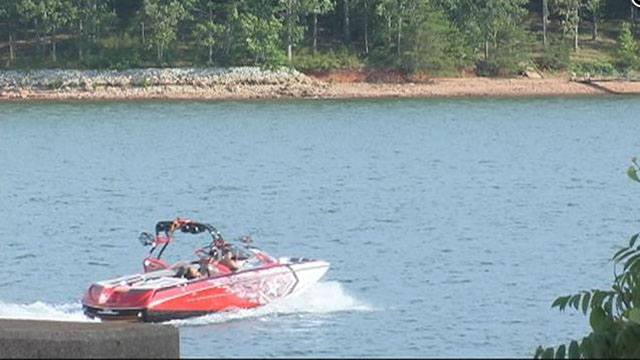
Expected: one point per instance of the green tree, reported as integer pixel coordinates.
(501, 33)
(569, 11)
(91, 16)
(595, 8)
(207, 31)
(397, 12)
(163, 16)
(318, 7)
(545, 21)
(262, 38)
(293, 10)
(614, 314)
(627, 49)
(49, 16)
(9, 16)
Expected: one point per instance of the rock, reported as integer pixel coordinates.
(532, 74)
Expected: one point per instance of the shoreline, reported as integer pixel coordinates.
(256, 84)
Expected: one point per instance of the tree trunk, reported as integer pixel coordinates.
(11, 49)
(142, 26)
(595, 26)
(80, 52)
(211, 35)
(388, 31)
(545, 19)
(576, 31)
(38, 37)
(347, 33)
(486, 50)
(53, 48)
(315, 33)
(633, 19)
(94, 34)
(289, 55)
(366, 26)
(227, 40)
(399, 34)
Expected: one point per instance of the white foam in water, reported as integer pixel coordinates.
(321, 298)
(43, 311)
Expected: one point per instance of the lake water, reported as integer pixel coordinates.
(451, 225)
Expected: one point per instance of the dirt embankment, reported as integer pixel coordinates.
(255, 83)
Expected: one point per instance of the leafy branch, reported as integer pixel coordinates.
(614, 315)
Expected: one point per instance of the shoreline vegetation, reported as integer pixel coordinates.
(247, 49)
(254, 83)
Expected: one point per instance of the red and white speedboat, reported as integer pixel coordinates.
(163, 292)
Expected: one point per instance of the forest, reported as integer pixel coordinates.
(436, 37)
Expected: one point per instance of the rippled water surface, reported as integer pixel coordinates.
(451, 225)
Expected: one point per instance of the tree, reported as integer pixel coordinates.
(262, 38)
(9, 16)
(207, 30)
(595, 8)
(396, 12)
(614, 314)
(545, 21)
(425, 39)
(431, 42)
(292, 8)
(345, 22)
(318, 7)
(90, 16)
(569, 11)
(628, 57)
(163, 16)
(49, 16)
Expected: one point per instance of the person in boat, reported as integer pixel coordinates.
(229, 260)
(187, 271)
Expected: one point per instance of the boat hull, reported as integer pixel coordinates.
(167, 298)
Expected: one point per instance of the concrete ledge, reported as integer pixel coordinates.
(58, 339)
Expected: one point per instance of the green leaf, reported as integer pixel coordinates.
(586, 347)
(574, 350)
(585, 302)
(575, 301)
(598, 298)
(631, 261)
(608, 306)
(600, 346)
(548, 354)
(561, 302)
(633, 240)
(598, 320)
(634, 315)
(633, 173)
(560, 353)
(625, 255)
(615, 256)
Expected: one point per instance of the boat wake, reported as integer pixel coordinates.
(321, 298)
(43, 311)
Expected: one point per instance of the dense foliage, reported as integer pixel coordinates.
(614, 314)
(493, 37)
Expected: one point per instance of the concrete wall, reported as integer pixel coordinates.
(57, 339)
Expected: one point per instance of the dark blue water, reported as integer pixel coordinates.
(451, 225)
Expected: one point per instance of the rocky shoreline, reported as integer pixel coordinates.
(239, 82)
(256, 83)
